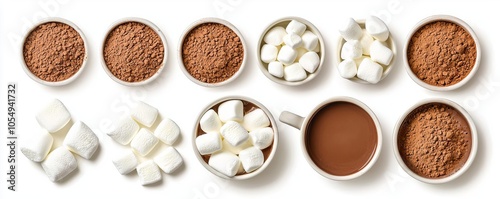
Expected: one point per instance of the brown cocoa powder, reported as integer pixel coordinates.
(441, 53)
(54, 51)
(434, 140)
(212, 52)
(133, 52)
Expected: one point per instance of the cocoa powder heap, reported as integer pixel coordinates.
(133, 52)
(54, 51)
(212, 53)
(441, 53)
(434, 140)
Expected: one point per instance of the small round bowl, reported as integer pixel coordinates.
(156, 30)
(200, 22)
(446, 18)
(473, 149)
(274, 146)
(387, 69)
(66, 81)
(283, 22)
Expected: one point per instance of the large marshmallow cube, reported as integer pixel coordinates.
(144, 114)
(208, 143)
(81, 140)
(294, 73)
(275, 36)
(268, 53)
(350, 30)
(236, 149)
(225, 162)
(37, 145)
(255, 119)
(377, 28)
(124, 130)
(59, 163)
(125, 162)
(148, 172)
(366, 41)
(287, 55)
(262, 138)
(251, 158)
(275, 68)
(144, 142)
(348, 69)
(296, 27)
(210, 121)
(293, 40)
(53, 116)
(309, 40)
(370, 71)
(168, 160)
(309, 61)
(351, 50)
(167, 131)
(380, 53)
(234, 133)
(231, 110)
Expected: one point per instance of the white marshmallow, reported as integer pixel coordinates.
(167, 131)
(168, 160)
(235, 149)
(148, 172)
(309, 61)
(351, 50)
(53, 116)
(275, 36)
(225, 162)
(347, 68)
(377, 28)
(231, 110)
(125, 162)
(296, 27)
(37, 145)
(124, 130)
(208, 143)
(255, 119)
(294, 73)
(350, 30)
(275, 68)
(144, 114)
(262, 138)
(300, 52)
(59, 163)
(293, 40)
(234, 133)
(309, 40)
(210, 122)
(370, 71)
(251, 158)
(268, 53)
(380, 53)
(81, 140)
(144, 142)
(366, 41)
(287, 55)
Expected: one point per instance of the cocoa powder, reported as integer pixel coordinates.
(133, 52)
(54, 51)
(441, 53)
(434, 140)
(212, 52)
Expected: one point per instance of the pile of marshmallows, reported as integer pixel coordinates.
(363, 43)
(142, 141)
(80, 139)
(291, 52)
(233, 140)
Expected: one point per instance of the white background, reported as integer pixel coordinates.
(95, 99)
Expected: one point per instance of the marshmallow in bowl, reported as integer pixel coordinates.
(309, 61)
(294, 73)
(208, 143)
(167, 131)
(81, 140)
(225, 162)
(231, 110)
(351, 49)
(124, 130)
(287, 55)
(309, 40)
(366, 41)
(293, 40)
(377, 28)
(59, 163)
(380, 53)
(275, 36)
(148, 172)
(370, 71)
(125, 162)
(268, 53)
(350, 30)
(144, 142)
(53, 116)
(236, 149)
(37, 145)
(275, 68)
(210, 122)
(255, 119)
(296, 27)
(144, 114)
(347, 68)
(251, 159)
(234, 133)
(262, 138)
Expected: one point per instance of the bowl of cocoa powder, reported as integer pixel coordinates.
(54, 52)
(442, 53)
(435, 141)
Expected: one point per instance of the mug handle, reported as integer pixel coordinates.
(291, 119)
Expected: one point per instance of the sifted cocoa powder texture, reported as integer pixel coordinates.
(133, 52)
(54, 51)
(441, 53)
(434, 140)
(212, 53)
